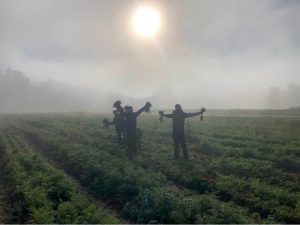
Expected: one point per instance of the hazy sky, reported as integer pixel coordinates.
(229, 52)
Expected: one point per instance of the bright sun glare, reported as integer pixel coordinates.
(146, 21)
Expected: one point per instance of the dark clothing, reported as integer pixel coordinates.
(179, 139)
(130, 126)
(178, 130)
(179, 118)
(119, 123)
(121, 133)
(119, 116)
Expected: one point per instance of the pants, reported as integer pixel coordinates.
(179, 139)
(120, 132)
(132, 143)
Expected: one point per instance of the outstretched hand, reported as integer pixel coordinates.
(148, 105)
(202, 111)
(161, 119)
(105, 123)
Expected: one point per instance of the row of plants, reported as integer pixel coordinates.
(38, 193)
(156, 155)
(142, 195)
(189, 175)
(270, 202)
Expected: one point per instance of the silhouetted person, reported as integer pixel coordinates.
(130, 125)
(119, 121)
(178, 117)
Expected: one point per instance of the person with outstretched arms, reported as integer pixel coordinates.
(178, 118)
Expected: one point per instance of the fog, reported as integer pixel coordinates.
(82, 55)
(18, 94)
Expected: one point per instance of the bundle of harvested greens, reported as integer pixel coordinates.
(202, 111)
(148, 105)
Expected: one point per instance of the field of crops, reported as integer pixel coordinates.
(67, 168)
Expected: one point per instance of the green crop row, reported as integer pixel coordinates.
(222, 166)
(39, 194)
(142, 194)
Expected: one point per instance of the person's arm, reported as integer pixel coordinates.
(137, 113)
(166, 115)
(186, 115)
(145, 108)
(107, 123)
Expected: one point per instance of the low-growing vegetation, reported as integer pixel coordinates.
(38, 193)
(242, 170)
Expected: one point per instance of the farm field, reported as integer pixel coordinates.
(244, 167)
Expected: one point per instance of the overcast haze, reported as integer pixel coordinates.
(218, 54)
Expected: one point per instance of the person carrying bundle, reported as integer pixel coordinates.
(179, 117)
(130, 126)
(118, 121)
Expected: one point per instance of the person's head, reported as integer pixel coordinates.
(128, 109)
(117, 104)
(178, 108)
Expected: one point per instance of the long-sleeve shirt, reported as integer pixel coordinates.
(119, 116)
(130, 119)
(179, 118)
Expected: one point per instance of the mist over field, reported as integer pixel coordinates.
(83, 55)
(20, 94)
(70, 153)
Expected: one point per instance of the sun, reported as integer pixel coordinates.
(146, 21)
